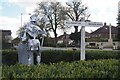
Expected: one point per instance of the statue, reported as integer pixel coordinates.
(30, 40)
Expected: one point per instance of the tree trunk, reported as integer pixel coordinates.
(55, 41)
(76, 30)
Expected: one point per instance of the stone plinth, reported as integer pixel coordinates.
(23, 54)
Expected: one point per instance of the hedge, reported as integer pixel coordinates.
(11, 56)
(78, 69)
(69, 55)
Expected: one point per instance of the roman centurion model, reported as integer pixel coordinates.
(30, 43)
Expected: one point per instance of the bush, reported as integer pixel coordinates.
(6, 45)
(11, 56)
(60, 55)
(98, 54)
(78, 69)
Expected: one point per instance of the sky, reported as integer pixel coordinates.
(10, 13)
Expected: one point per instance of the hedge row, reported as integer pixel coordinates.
(69, 55)
(11, 56)
(77, 69)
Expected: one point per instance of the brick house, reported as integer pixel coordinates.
(103, 33)
(100, 35)
(66, 40)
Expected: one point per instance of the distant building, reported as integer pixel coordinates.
(6, 35)
(64, 39)
(6, 38)
(87, 35)
(102, 37)
(103, 32)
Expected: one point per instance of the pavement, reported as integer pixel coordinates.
(71, 48)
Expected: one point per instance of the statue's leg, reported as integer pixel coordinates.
(38, 57)
(30, 58)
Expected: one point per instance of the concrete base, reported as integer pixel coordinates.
(110, 40)
(110, 43)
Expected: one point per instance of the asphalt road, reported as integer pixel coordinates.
(69, 48)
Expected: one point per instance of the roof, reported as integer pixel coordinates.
(105, 30)
(62, 36)
(6, 32)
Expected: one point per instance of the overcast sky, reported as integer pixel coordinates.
(10, 12)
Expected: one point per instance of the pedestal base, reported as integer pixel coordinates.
(110, 43)
(110, 40)
(23, 54)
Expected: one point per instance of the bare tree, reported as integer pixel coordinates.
(75, 10)
(55, 16)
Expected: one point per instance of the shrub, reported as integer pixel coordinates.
(11, 56)
(101, 54)
(78, 69)
(59, 55)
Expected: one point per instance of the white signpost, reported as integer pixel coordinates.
(83, 24)
(78, 23)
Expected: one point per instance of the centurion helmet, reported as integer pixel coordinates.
(34, 17)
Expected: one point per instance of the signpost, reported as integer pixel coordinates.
(83, 24)
(78, 23)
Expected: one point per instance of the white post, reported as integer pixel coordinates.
(82, 55)
(110, 35)
(83, 24)
(21, 19)
(110, 32)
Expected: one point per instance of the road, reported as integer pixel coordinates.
(69, 48)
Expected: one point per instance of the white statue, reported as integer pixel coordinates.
(31, 34)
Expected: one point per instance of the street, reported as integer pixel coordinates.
(69, 48)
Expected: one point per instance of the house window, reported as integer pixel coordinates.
(92, 44)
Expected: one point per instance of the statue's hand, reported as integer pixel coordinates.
(44, 35)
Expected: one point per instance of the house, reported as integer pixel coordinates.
(87, 35)
(103, 32)
(66, 40)
(101, 36)
(6, 35)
